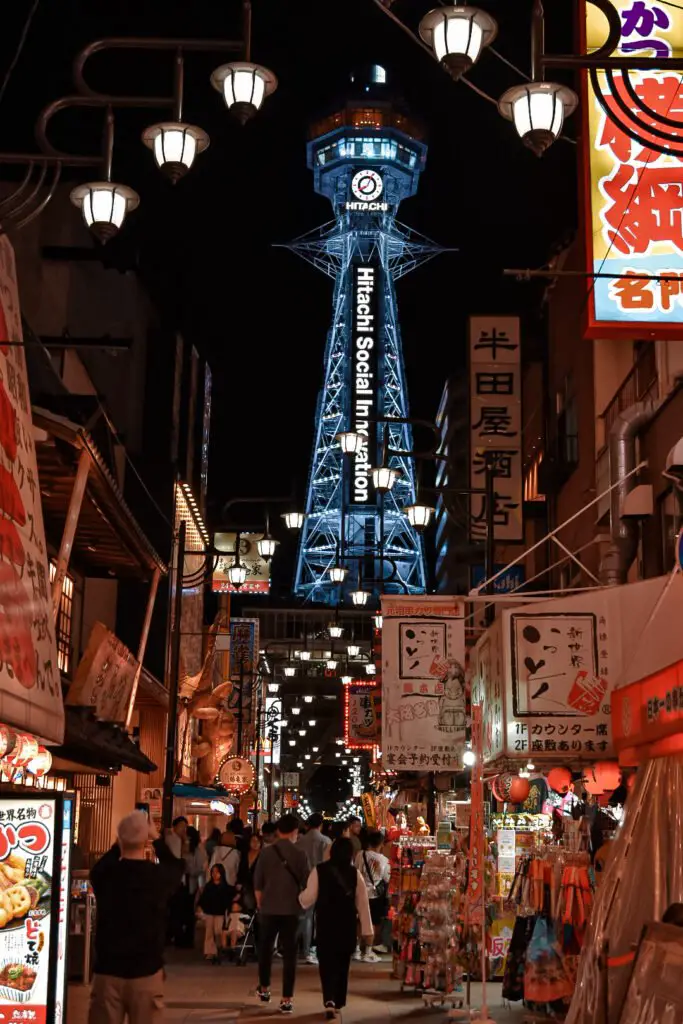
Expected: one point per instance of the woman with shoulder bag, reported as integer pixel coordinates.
(375, 870)
(340, 897)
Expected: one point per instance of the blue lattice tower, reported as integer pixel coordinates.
(366, 158)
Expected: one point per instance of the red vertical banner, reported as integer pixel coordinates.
(476, 881)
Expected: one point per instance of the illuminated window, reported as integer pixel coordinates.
(531, 492)
(379, 75)
(64, 620)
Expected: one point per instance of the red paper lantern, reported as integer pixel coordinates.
(503, 784)
(519, 789)
(495, 789)
(40, 765)
(560, 780)
(608, 775)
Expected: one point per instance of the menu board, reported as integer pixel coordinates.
(28, 831)
(63, 908)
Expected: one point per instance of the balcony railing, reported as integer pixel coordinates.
(639, 386)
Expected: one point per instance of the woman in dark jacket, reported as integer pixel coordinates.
(215, 900)
(341, 898)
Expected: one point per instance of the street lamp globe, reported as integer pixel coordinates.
(175, 146)
(293, 520)
(347, 679)
(469, 758)
(273, 687)
(332, 664)
(338, 573)
(538, 110)
(244, 87)
(353, 650)
(419, 516)
(457, 36)
(350, 442)
(237, 575)
(384, 478)
(305, 655)
(370, 668)
(378, 620)
(360, 597)
(266, 547)
(289, 671)
(335, 630)
(104, 206)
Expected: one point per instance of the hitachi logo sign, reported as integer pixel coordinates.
(381, 207)
(363, 374)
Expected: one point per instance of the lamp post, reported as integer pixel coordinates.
(174, 675)
(175, 143)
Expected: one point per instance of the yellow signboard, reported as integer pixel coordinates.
(634, 192)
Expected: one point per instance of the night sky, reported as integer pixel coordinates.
(206, 248)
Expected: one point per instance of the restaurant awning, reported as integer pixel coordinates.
(101, 745)
(109, 541)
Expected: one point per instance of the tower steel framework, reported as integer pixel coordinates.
(366, 159)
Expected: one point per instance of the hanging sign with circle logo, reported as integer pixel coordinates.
(236, 775)
(367, 187)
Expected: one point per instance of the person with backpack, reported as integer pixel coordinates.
(280, 875)
(375, 871)
(215, 900)
(340, 897)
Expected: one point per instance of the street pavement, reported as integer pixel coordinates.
(199, 993)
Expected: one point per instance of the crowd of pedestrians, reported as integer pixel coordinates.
(318, 892)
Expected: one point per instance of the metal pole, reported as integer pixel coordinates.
(240, 710)
(271, 788)
(144, 636)
(178, 85)
(489, 568)
(259, 714)
(73, 512)
(108, 143)
(172, 720)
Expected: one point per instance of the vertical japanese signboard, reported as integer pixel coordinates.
(496, 424)
(362, 714)
(633, 193)
(476, 866)
(364, 375)
(273, 731)
(424, 701)
(35, 848)
(30, 685)
(244, 655)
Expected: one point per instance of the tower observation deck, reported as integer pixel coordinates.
(366, 158)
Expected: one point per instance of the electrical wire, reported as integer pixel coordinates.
(20, 47)
(509, 63)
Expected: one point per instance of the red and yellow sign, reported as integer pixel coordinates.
(362, 714)
(647, 716)
(236, 775)
(633, 193)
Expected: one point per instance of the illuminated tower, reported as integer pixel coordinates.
(366, 158)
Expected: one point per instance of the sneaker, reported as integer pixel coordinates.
(286, 1006)
(330, 1011)
(357, 955)
(381, 949)
(312, 959)
(370, 958)
(263, 994)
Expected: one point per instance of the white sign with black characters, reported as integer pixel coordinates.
(496, 424)
(364, 374)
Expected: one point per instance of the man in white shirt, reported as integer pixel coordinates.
(375, 870)
(228, 855)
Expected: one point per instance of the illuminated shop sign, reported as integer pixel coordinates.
(634, 193)
(363, 373)
(367, 187)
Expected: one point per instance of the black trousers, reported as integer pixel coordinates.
(287, 927)
(334, 965)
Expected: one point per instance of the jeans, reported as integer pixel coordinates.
(306, 931)
(334, 974)
(287, 927)
(137, 1000)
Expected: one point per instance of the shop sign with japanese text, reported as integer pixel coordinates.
(634, 194)
(236, 775)
(244, 654)
(424, 702)
(476, 864)
(28, 898)
(486, 680)
(496, 425)
(258, 569)
(30, 684)
(362, 714)
(104, 677)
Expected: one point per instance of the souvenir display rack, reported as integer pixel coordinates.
(408, 856)
(439, 931)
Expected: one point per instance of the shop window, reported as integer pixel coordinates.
(64, 621)
(669, 525)
(531, 492)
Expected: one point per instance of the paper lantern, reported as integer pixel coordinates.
(41, 763)
(25, 749)
(6, 739)
(503, 783)
(519, 789)
(560, 780)
(495, 789)
(608, 775)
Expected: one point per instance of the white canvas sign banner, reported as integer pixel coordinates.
(423, 683)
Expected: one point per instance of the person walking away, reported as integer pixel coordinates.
(340, 897)
(355, 827)
(316, 846)
(132, 895)
(281, 873)
(214, 902)
(212, 842)
(245, 875)
(176, 841)
(228, 855)
(375, 870)
(195, 875)
(269, 833)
